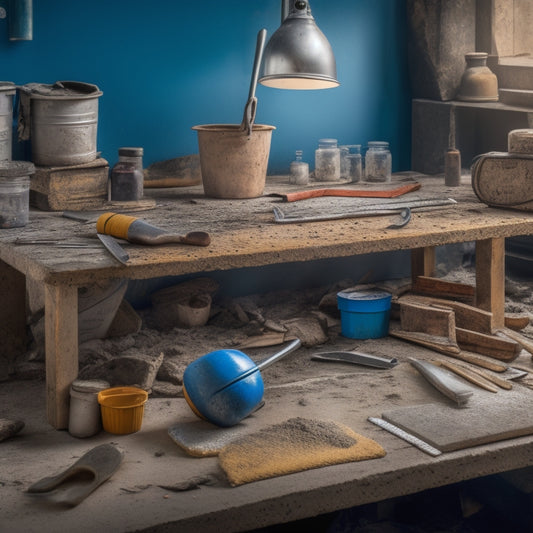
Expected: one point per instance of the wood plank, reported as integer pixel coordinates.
(466, 316)
(442, 288)
(490, 278)
(428, 319)
(491, 345)
(422, 262)
(61, 345)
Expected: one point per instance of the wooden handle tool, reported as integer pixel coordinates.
(469, 375)
(138, 231)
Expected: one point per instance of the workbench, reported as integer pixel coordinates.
(243, 234)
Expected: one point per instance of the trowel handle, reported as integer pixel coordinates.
(294, 345)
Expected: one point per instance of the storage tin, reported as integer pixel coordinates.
(364, 314)
(64, 122)
(85, 419)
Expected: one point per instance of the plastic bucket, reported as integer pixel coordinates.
(122, 409)
(233, 164)
(15, 193)
(7, 90)
(364, 314)
(64, 123)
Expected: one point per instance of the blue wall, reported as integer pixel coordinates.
(166, 66)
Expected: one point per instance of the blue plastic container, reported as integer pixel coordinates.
(364, 314)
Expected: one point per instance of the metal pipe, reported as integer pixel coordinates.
(20, 20)
(284, 9)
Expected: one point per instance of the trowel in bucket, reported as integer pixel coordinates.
(251, 105)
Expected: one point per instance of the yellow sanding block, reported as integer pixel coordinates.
(293, 446)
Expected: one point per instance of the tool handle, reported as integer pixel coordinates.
(361, 193)
(448, 385)
(138, 231)
(295, 344)
(114, 224)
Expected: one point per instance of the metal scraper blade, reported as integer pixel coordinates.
(114, 248)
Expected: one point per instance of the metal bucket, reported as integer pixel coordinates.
(64, 123)
(233, 164)
(7, 90)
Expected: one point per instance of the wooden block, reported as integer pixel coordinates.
(74, 188)
(466, 316)
(444, 289)
(491, 345)
(427, 319)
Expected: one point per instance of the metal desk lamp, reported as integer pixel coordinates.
(298, 55)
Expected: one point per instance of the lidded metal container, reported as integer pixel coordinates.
(84, 413)
(7, 91)
(61, 120)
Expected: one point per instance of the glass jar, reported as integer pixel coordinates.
(378, 162)
(351, 162)
(299, 170)
(126, 182)
(15, 193)
(327, 161)
(127, 176)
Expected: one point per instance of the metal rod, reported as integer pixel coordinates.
(284, 9)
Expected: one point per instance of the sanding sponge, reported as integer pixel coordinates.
(292, 446)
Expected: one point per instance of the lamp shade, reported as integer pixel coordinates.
(298, 55)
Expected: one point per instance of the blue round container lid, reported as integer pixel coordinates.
(372, 300)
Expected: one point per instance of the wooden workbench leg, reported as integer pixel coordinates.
(490, 278)
(422, 262)
(12, 318)
(61, 344)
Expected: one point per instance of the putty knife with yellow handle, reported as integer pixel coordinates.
(138, 231)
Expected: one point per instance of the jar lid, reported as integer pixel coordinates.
(364, 300)
(96, 385)
(378, 144)
(62, 90)
(327, 143)
(16, 169)
(131, 151)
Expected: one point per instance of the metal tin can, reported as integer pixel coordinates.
(85, 419)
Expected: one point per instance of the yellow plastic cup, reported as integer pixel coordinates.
(122, 409)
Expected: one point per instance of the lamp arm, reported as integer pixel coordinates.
(284, 9)
(260, 46)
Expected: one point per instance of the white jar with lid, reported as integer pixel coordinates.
(327, 161)
(84, 415)
(378, 162)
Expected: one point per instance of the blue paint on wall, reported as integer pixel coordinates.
(166, 66)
